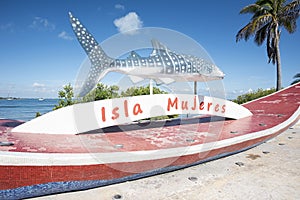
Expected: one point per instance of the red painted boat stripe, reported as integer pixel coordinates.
(69, 159)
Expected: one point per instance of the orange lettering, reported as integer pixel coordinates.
(194, 107)
(137, 109)
(208, 106)
(217, 107)
(115, 113)
(201, 107)
(126, 108)
(223, 108)
(103, 114)
(184, 105)
(172, 104)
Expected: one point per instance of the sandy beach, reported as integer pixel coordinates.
(268, 171)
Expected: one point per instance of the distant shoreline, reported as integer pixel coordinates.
(21, 98)
(25, 109)
(10, 98)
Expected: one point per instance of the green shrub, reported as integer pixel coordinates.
(253, 95)
(106, 92)
(38, 114)
(102, 92)
(137, 91)
(65, 97)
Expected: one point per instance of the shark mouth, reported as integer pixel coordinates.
(162, 65)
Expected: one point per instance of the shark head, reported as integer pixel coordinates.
(206, 68)
(162, 65)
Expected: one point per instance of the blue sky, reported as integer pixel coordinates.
(39, 53)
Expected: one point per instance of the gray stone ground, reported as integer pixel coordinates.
(268, 171)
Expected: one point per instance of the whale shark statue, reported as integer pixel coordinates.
(163, 65)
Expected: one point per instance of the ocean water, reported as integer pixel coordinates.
(25, 109)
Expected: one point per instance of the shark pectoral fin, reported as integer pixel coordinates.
(167, 80)
(160, 81)
(135, 79)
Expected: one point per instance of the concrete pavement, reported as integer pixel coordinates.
(268, 171)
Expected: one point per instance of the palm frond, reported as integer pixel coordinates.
(297, 75)
(245, 33)
(261, 35)
(264, 9)
(289, 15)
(294, 5)
(268, 5)
(290, 25)
(252, 8)
(261, 21)
(295, 81)
(265, 4)
(254, 26)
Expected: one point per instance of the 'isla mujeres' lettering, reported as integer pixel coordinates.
(111, 112)
(209, 106)
(124, 110)
(137, 109)
(174, 103)
(115, 112)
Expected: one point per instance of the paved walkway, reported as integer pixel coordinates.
(268, 171)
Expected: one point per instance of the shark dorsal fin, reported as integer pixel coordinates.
(134, 55)
(158, 47)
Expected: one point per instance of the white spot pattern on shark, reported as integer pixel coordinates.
(162, 65)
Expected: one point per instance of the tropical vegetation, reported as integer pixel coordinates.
(102, 92)
(137, 91)
(297, 79)
(253, 95)
(65, 97)
(37, 114)
(268, 18)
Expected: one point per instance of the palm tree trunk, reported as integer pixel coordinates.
(278, 61)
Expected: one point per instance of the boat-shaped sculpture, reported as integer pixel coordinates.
(34, 164)
(104, 142)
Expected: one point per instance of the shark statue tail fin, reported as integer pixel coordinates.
(86, 40)
(99, 60)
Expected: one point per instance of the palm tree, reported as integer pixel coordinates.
(297, 77)
(269, 16)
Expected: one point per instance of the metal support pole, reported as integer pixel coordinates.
(195, 87)
(151, 87)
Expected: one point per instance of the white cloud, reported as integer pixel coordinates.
(129, 23)
(38, 85)
(119, 6)
(40, 23)
(64, 35)
(7, 27)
